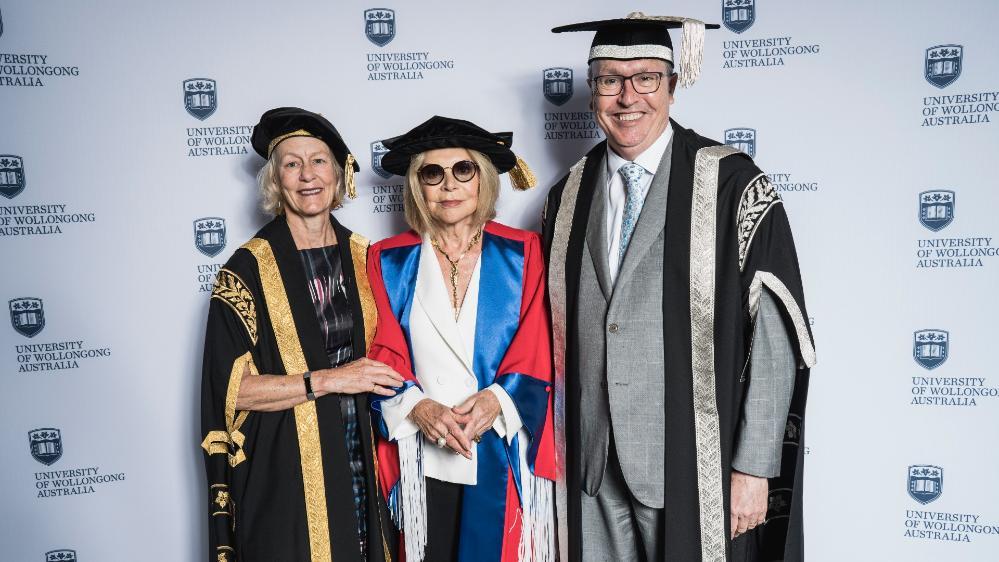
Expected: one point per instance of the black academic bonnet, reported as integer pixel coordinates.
(445, 132)
(283, 123)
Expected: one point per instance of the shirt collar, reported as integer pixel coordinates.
(649, 159)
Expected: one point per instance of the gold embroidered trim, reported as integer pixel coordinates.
(556, 292)
(279, 138)
(707, 433)
(757, 199)
(220, 442)
(230, 289)
(233, 420)
(222, 502)
(230, 441)
(306, 423)
(359, 255)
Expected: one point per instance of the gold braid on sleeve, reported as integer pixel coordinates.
(230, 289)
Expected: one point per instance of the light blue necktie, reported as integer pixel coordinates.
(632, 174)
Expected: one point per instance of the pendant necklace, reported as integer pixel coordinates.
(454, 268)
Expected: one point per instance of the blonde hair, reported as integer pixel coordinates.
(414, 203)
(271, 195)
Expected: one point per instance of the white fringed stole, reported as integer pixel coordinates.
(408, 503)
(537, 531)
(408, 506)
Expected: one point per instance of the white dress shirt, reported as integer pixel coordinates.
(442, 351)
(616, 193)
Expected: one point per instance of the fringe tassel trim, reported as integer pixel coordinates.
(537, 531)
(521, 176)
(410, 510)
(348, 177)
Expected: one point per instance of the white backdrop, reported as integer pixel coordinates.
(103, 173)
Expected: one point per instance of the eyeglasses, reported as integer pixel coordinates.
(433, 174)
(613, 84)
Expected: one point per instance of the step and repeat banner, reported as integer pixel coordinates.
(127, 180)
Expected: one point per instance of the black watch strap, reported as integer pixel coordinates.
(307, 377)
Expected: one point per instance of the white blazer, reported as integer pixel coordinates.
(443, 364)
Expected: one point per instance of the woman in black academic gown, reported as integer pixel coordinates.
(288, 442)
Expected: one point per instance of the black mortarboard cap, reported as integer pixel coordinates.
(445, 132)
(639, 36)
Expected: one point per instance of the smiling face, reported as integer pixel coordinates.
(450, 202)
(632, 121)
(306, 176)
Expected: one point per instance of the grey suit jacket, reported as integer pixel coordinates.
(621, 347)
(620, 329)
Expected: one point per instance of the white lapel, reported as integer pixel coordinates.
(435, 300)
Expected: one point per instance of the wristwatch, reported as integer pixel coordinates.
(307, 377)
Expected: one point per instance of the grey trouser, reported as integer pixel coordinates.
(616, 526)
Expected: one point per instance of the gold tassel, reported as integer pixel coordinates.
(521, 176)
(348, 176)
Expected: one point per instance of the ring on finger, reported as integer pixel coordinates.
(441, 441)
(477, 438)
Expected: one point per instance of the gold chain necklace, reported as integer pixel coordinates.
(454, 268)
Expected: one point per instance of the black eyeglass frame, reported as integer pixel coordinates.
(592, 82)
(475, 170)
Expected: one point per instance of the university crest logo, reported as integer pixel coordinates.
(936, 208)
(377, 151)
(46, 445)
(925, 483)
(929, 347)
(738, 15)
(558, 85)
(63, 555)
(209, 235)
(27, 316)
(11, 175)
(379, 25)
(200, 97)
(742, 138)
(943, 64)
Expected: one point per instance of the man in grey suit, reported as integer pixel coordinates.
(670, 259)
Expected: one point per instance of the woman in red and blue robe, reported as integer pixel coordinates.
(466, 455)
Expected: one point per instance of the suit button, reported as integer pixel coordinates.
(612, 328)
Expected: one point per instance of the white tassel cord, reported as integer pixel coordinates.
(691, 52)
(691, 46)
(537, 531)
(413, 496)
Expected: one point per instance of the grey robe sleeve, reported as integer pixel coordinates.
(768, 397)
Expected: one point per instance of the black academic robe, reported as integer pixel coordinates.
(279, 482)
(708, 326)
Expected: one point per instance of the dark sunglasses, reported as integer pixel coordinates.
(433, 174)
